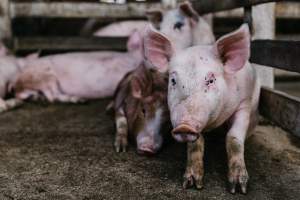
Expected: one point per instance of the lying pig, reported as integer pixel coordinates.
(72, 77)
(10, 67)
(140, 105)
(209, 86)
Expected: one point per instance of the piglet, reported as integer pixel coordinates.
(209, 86)
(140, 105)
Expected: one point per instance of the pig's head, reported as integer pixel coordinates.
(177, 24)
(181, 25)
(147, 108)
(198, 78)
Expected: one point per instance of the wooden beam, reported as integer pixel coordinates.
(70, 43)
(80, 9)
(208, 6)
(278, 54)
(282, 109)
(5, 22)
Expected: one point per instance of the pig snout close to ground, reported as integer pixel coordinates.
(140, 105)
(10, 67)
(72, 77)
(209, 86)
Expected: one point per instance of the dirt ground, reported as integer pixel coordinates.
(65, 152)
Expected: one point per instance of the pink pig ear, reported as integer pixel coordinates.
(234, 49)
(157, 49)
(187, 9)
(135, 41)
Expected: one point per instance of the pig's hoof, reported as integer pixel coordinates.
(120, 144)
(191, 178)
(238, 175)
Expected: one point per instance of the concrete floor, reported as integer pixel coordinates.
(65, 152)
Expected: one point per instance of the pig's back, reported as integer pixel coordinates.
(92, 75)
(120, 29)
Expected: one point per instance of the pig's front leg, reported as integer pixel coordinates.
(121, 139)
(9, 104)
(237, 172)
(194, 169)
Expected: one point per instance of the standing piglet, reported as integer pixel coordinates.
(209, 86)
(140, 105)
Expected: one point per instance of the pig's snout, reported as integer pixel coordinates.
(146, 150)
(185, 133)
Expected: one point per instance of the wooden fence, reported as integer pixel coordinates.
(282, 109)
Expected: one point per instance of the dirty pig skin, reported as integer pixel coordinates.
(209, 85)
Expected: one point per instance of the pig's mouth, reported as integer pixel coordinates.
(185, 133)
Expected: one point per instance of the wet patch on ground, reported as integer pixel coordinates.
(66, 152)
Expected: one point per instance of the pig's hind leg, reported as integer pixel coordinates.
(194, 169)
(121, 138)
(237, 172)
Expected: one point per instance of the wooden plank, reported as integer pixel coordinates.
(5, 23)
(207, 6)
(282, 109)
(80, 9)
(278, 54)
(70, 43)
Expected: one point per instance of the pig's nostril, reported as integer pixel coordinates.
(185, 133)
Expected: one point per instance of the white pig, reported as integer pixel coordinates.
(209, 86)
(183, 26)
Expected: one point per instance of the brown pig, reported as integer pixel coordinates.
(140, 105)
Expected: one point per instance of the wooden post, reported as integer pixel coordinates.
(264, 28)
(5, 23)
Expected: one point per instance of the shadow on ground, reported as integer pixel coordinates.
(65, 152)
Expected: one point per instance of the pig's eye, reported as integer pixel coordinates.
(173, 81)
(178, 25)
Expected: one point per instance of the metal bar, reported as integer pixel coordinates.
(278, 54)
(70, 43)
(282, 109)
(80, 9)
(248, 17)
(208, 6)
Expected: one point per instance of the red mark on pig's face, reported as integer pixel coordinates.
(210, 81)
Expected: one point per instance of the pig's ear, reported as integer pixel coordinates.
(157, 49)
(234, 49)
(135, 41)
(187, 9)
(136, 88)
(155, 17)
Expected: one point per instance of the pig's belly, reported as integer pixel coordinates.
(94, 84)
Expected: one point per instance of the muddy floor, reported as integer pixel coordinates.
(65, 152)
